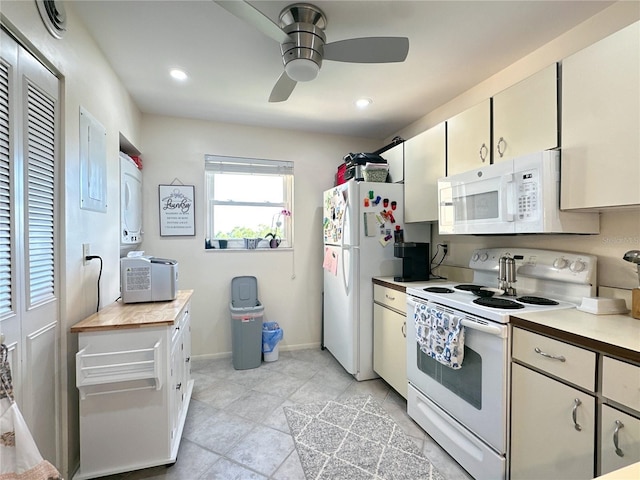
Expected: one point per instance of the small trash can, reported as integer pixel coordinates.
(271, 336)
(246, 323)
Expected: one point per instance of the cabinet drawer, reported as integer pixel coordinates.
(621, 382)
(390, 297)
(573, 364)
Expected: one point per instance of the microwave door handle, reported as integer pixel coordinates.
(509, 198)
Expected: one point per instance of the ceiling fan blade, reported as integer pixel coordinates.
(255, 17)
(368, 50)
(282, 89)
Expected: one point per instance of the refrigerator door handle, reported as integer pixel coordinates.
(345, 249)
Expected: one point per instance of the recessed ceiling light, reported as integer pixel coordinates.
(363, 102)
(178, 74)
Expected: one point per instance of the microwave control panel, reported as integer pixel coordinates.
(528, 195)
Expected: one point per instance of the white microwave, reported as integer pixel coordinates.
(521, 195)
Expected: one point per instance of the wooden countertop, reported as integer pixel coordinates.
(618, 335)
(120, 315)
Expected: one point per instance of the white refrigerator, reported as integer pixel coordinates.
(360, 221)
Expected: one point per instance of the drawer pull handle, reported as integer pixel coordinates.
(404, 329)
(574, 414)
(389, 298)
(619, 425)
(548, 355)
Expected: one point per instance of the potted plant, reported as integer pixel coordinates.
(276, 223)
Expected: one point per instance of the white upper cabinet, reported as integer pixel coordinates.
(469, 139)
(395, 159)
(525, 116)
(425, 159)
(601, 123)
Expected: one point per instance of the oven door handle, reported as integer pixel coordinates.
(498, 331)
(493, 330)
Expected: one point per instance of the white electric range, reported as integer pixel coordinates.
(465, 409)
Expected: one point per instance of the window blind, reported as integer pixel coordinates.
(222, 164)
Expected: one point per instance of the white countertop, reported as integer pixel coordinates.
(405, 285)
(617, 331)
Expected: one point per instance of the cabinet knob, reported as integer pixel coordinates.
(501, 146)
(179, 386)
(187, 360)
(483, 152)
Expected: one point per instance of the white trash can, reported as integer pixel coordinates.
(272, 356)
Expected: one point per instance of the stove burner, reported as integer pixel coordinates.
(468, 287)
(536, 300)
(438, 290)
(494, 302)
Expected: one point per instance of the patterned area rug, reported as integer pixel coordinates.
(355, 440)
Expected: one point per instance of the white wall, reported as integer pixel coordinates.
(87, 81)
(289, 281)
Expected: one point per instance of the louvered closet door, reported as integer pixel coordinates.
(33, 113)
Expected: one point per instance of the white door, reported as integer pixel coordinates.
(28, 210)
(340, 301)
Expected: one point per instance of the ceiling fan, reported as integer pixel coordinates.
(302, 42)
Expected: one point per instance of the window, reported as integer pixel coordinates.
(248, 199)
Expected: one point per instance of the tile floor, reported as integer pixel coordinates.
(236, 428)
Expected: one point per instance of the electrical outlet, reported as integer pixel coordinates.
(86, 251)
(445, 248)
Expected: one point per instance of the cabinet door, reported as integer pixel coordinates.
(600, 123)
(544, 440)
(389, 347)
(468, 139)
(623, 429)
(525, 116)
(395, 159)
(425, 159)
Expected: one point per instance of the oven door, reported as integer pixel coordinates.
(476, 394)
(478, 201)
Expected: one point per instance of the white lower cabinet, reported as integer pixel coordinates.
(552, 428)
(389, 337)
(135, 386)
(619, 439)
(619, 431)
(565, 424)
(553, 423)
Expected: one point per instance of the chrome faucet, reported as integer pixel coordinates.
(507, 275)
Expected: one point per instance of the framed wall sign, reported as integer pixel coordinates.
(177, 207)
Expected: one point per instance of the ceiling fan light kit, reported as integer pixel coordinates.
(302, 43)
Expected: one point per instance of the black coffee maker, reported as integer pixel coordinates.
(415, 261)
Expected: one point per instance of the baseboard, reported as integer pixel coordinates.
(283, 348)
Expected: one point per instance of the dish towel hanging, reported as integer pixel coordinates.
(20, 458)
(440, 334)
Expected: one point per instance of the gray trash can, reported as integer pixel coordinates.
(246, 323)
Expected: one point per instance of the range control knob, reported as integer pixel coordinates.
(577, 266)
(484, 257)
(560, 263)
(475, 257)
